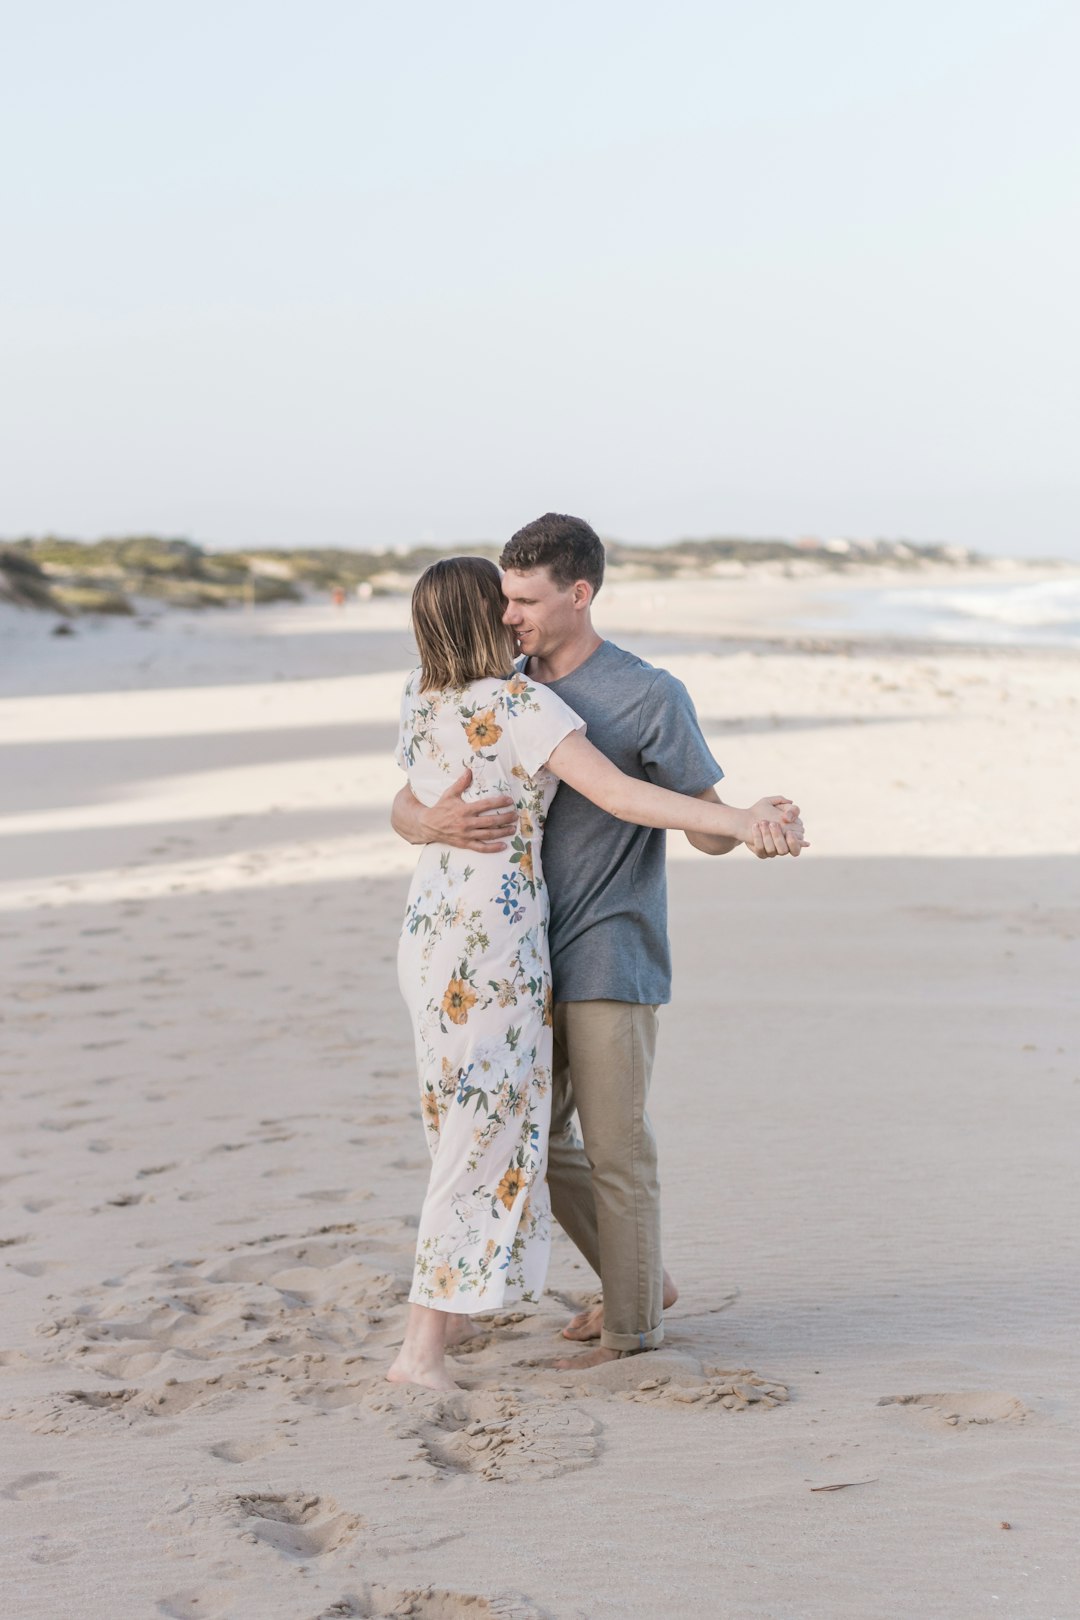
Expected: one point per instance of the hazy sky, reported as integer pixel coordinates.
(351, 273)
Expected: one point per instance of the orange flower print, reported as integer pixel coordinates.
(430, 1109)
(457, 1001)
(525, 822)
(525, 864)
(444, 1282)
(517, 685)
(510, 1185)
(482, 731)
(549, 1006)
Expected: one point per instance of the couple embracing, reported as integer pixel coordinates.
(543, 764)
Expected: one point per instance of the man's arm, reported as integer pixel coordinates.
(766, 844)
(477, 824)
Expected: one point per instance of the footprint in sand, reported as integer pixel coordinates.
(201, 1603)
(243, 1451)
(297, 1525)
(72, 1409)
(33, 1487)
(493, 1436)
(47, 1550)
(964, 1409)
(426, 1603)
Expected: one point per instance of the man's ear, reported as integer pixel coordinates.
(583, 593)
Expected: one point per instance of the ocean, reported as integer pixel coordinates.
(1014, 613)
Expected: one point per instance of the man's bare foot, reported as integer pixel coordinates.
(432, 1375)
(588, 1324)
(588, 1358)
(459, 1329)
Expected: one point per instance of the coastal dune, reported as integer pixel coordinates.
(865, 1095)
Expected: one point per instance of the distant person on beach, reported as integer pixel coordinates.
(505, 1054)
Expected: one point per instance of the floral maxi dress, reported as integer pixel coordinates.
(474, 970)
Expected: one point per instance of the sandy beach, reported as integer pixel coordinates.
(866, 1097)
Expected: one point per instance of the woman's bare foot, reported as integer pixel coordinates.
(420, 1359)
(432, 1375)
(588, 1324)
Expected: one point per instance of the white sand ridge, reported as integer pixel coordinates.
(374, 1602)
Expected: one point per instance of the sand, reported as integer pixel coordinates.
(866, 1097)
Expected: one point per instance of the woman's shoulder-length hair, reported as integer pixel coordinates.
(457, 613)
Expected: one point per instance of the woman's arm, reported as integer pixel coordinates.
(783, 836)
(576, 762)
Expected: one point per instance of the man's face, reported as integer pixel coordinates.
(541, 614)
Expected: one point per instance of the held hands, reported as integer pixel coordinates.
(775, 828)
(478, 824)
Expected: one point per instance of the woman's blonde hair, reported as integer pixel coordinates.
(457, 610)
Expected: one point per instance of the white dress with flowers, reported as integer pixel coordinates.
(474, 970)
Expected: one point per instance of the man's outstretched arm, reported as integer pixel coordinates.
(476, 824)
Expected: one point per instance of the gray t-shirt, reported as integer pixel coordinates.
(607, 880)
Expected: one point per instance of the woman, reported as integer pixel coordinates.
(473, 959)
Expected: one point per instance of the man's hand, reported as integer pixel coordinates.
(478, 824)
(777, 829)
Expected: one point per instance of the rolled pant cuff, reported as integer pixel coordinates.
(632, 1341)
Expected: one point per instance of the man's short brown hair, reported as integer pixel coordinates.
(566, 546)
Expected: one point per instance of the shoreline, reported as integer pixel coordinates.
(760, 606)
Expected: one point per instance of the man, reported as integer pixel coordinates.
(610, 957)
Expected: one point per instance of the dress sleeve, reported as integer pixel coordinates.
(539, 720)
(405, 722)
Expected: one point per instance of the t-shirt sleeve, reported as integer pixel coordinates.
(673, 751)
(539, 720)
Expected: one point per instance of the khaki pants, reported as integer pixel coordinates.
(606, 1194)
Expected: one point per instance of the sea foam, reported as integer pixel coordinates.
(1013, 612)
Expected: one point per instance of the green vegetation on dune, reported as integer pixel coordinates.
(81, 597)
(23, 582)
(112, 575)
(328, 566)
(140, 554)
(115, 575)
